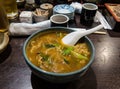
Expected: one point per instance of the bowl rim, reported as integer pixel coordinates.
(94, 5)
(55, 15)
(52, 73)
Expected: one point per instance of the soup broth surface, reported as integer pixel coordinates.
(48, 53)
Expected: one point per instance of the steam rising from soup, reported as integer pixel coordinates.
(48, 53)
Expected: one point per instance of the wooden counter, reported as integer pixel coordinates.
(104, 73)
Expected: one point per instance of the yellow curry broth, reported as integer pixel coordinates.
(47, 53)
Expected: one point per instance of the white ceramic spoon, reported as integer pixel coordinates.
(72, 38)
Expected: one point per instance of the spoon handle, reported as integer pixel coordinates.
(86, 32)
(73, 37)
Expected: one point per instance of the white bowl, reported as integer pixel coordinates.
(64, 9)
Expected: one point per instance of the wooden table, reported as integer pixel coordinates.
(104, 73)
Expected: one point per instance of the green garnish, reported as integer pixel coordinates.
(79, 56)
(67, 51)
(44, 57)
(66, 61)
(49, 45)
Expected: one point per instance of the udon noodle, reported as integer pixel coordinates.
(48, 53)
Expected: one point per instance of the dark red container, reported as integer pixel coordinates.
(111, 16)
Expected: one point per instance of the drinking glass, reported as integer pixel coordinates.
(88, 13)
(4, 24)
(11, 8)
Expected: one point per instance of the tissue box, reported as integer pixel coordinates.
(113, 15)
(26, 16)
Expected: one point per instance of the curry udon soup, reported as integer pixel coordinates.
(48, 53)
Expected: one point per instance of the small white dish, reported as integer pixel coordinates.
(64, 9)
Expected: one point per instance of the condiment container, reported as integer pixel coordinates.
(47, 6)
(40, 15)
(26, 16)
(30, 5)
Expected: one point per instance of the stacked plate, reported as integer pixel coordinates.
(64, 9)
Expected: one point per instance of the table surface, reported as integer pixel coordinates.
(104, 73)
